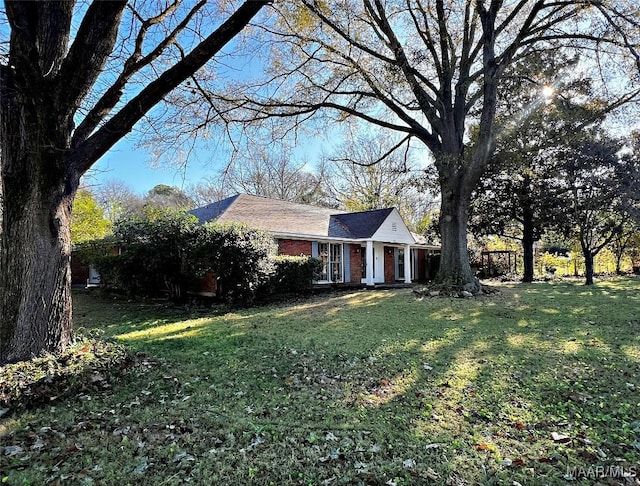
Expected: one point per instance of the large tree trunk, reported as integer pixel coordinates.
(528, 229)
(42, 86)
(35, 243)
(35, 284)
(528, 258)
(455, 270)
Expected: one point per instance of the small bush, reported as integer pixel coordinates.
(293, 274)
(239, 256)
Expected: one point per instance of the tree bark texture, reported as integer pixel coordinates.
(455, 270)
(35, 244)
(47, 78)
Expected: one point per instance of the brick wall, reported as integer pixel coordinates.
(294, 247)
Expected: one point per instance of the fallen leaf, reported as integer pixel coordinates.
(38, 444)
(431, 474)
(560, 438)
(183, 456)
(375, 448)
(142, 466)
(74, 448)
(96, 377)
(12, 450)
(409, 463)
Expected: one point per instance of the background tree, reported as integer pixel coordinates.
(75, 79)
(117, 199)
(364, 174)
(518, 197)
(425, 69)
(167, 197)
(270, 171)
(88, 222)
(626, 241)
(591, 202)
(629, 174)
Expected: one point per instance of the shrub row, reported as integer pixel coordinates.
(168, 252)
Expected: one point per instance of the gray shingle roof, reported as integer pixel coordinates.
(362, 224)
(271, 215)
(284, 217)
(213, 211)
(292, 218)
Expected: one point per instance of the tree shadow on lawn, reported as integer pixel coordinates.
(368, 387)
(507, 386)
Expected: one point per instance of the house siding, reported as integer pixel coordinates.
(207, 284)
(294, 247)
(393, 230)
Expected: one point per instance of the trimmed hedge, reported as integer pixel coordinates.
(293, 274)
(166, 252)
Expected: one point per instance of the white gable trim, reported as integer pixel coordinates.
(393, 230)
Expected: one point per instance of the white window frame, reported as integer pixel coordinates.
(328, 266)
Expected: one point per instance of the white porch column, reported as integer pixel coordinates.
(370, 256)
(407, 264)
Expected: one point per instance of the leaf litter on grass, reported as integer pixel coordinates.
(290, 404)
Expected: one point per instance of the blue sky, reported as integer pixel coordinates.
(135, 167)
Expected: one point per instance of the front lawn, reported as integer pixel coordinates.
(538, 384)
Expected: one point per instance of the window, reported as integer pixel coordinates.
(336, 262)
(331, 256)
(363, 259)
(400, 264)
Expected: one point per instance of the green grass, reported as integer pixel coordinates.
(353, 388)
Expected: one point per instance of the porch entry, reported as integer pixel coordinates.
(389, 264)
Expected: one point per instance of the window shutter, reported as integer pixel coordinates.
(347, 261)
